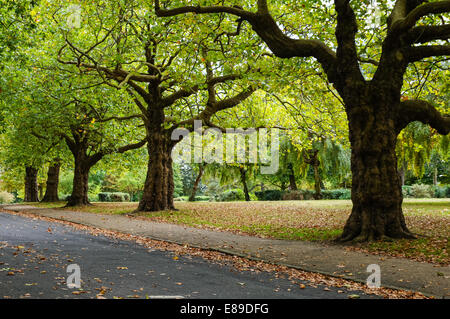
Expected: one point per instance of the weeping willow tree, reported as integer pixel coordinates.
(329, 160)
(416, 146)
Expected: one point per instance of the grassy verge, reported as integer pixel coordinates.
(304, 220)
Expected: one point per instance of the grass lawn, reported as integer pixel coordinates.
(304, 220)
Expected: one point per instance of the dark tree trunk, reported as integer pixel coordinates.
(31, 185)
(292, 183)
(80, 189)
(197, 182)
(376, 186)
(243, 172)
(159, 185)
(51, 192)
(313, 160)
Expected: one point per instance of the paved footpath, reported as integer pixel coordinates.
(331, 260)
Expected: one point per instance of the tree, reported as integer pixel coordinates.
(62, 108)
(198, 179)
(173, 78)
(51, 191)
(375, 111)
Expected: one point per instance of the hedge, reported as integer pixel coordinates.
(113, 197)
(270, 195)
(337, 194)
(231, 196)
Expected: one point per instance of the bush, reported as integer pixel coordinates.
(299, 195)
(337, 194)
(231, 196)
(270, 195)
(421, 191)
(64, 197)
(6, 198)
(439, 192)
(113, 197)
(406, 191)
(202, 199)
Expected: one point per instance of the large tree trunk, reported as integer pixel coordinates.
(376, 186)
(196, 183)
(159, 185)
(80, 189)
(243, 172)
(51, 192)
(31, 185)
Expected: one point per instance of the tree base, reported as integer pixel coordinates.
(139, 211)
(50, 199)
(71, 203)
(358, 236)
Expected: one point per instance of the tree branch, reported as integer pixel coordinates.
(182, 93)
(418, 53)
(94, 159)
(422, 111)
(266, 27)
(121, 118)
(207, 9)
(423, 34)
(346, 29)
(401, 24)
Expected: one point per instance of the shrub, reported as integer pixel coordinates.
(439, 192)
(113, 197)
(302, 194)
(64, 197)
(202, 198)
(422, 191)
(270, 195)
(337, 194)
(231, 196)
(406, 191)
(6, 198)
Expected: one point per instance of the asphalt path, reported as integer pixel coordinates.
(35, 254)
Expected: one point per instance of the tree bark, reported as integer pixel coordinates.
(159, 185)
(79, 196)
(51, 191)
(31, 185)
(197, 182)
(243, 173)
(376, 186)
